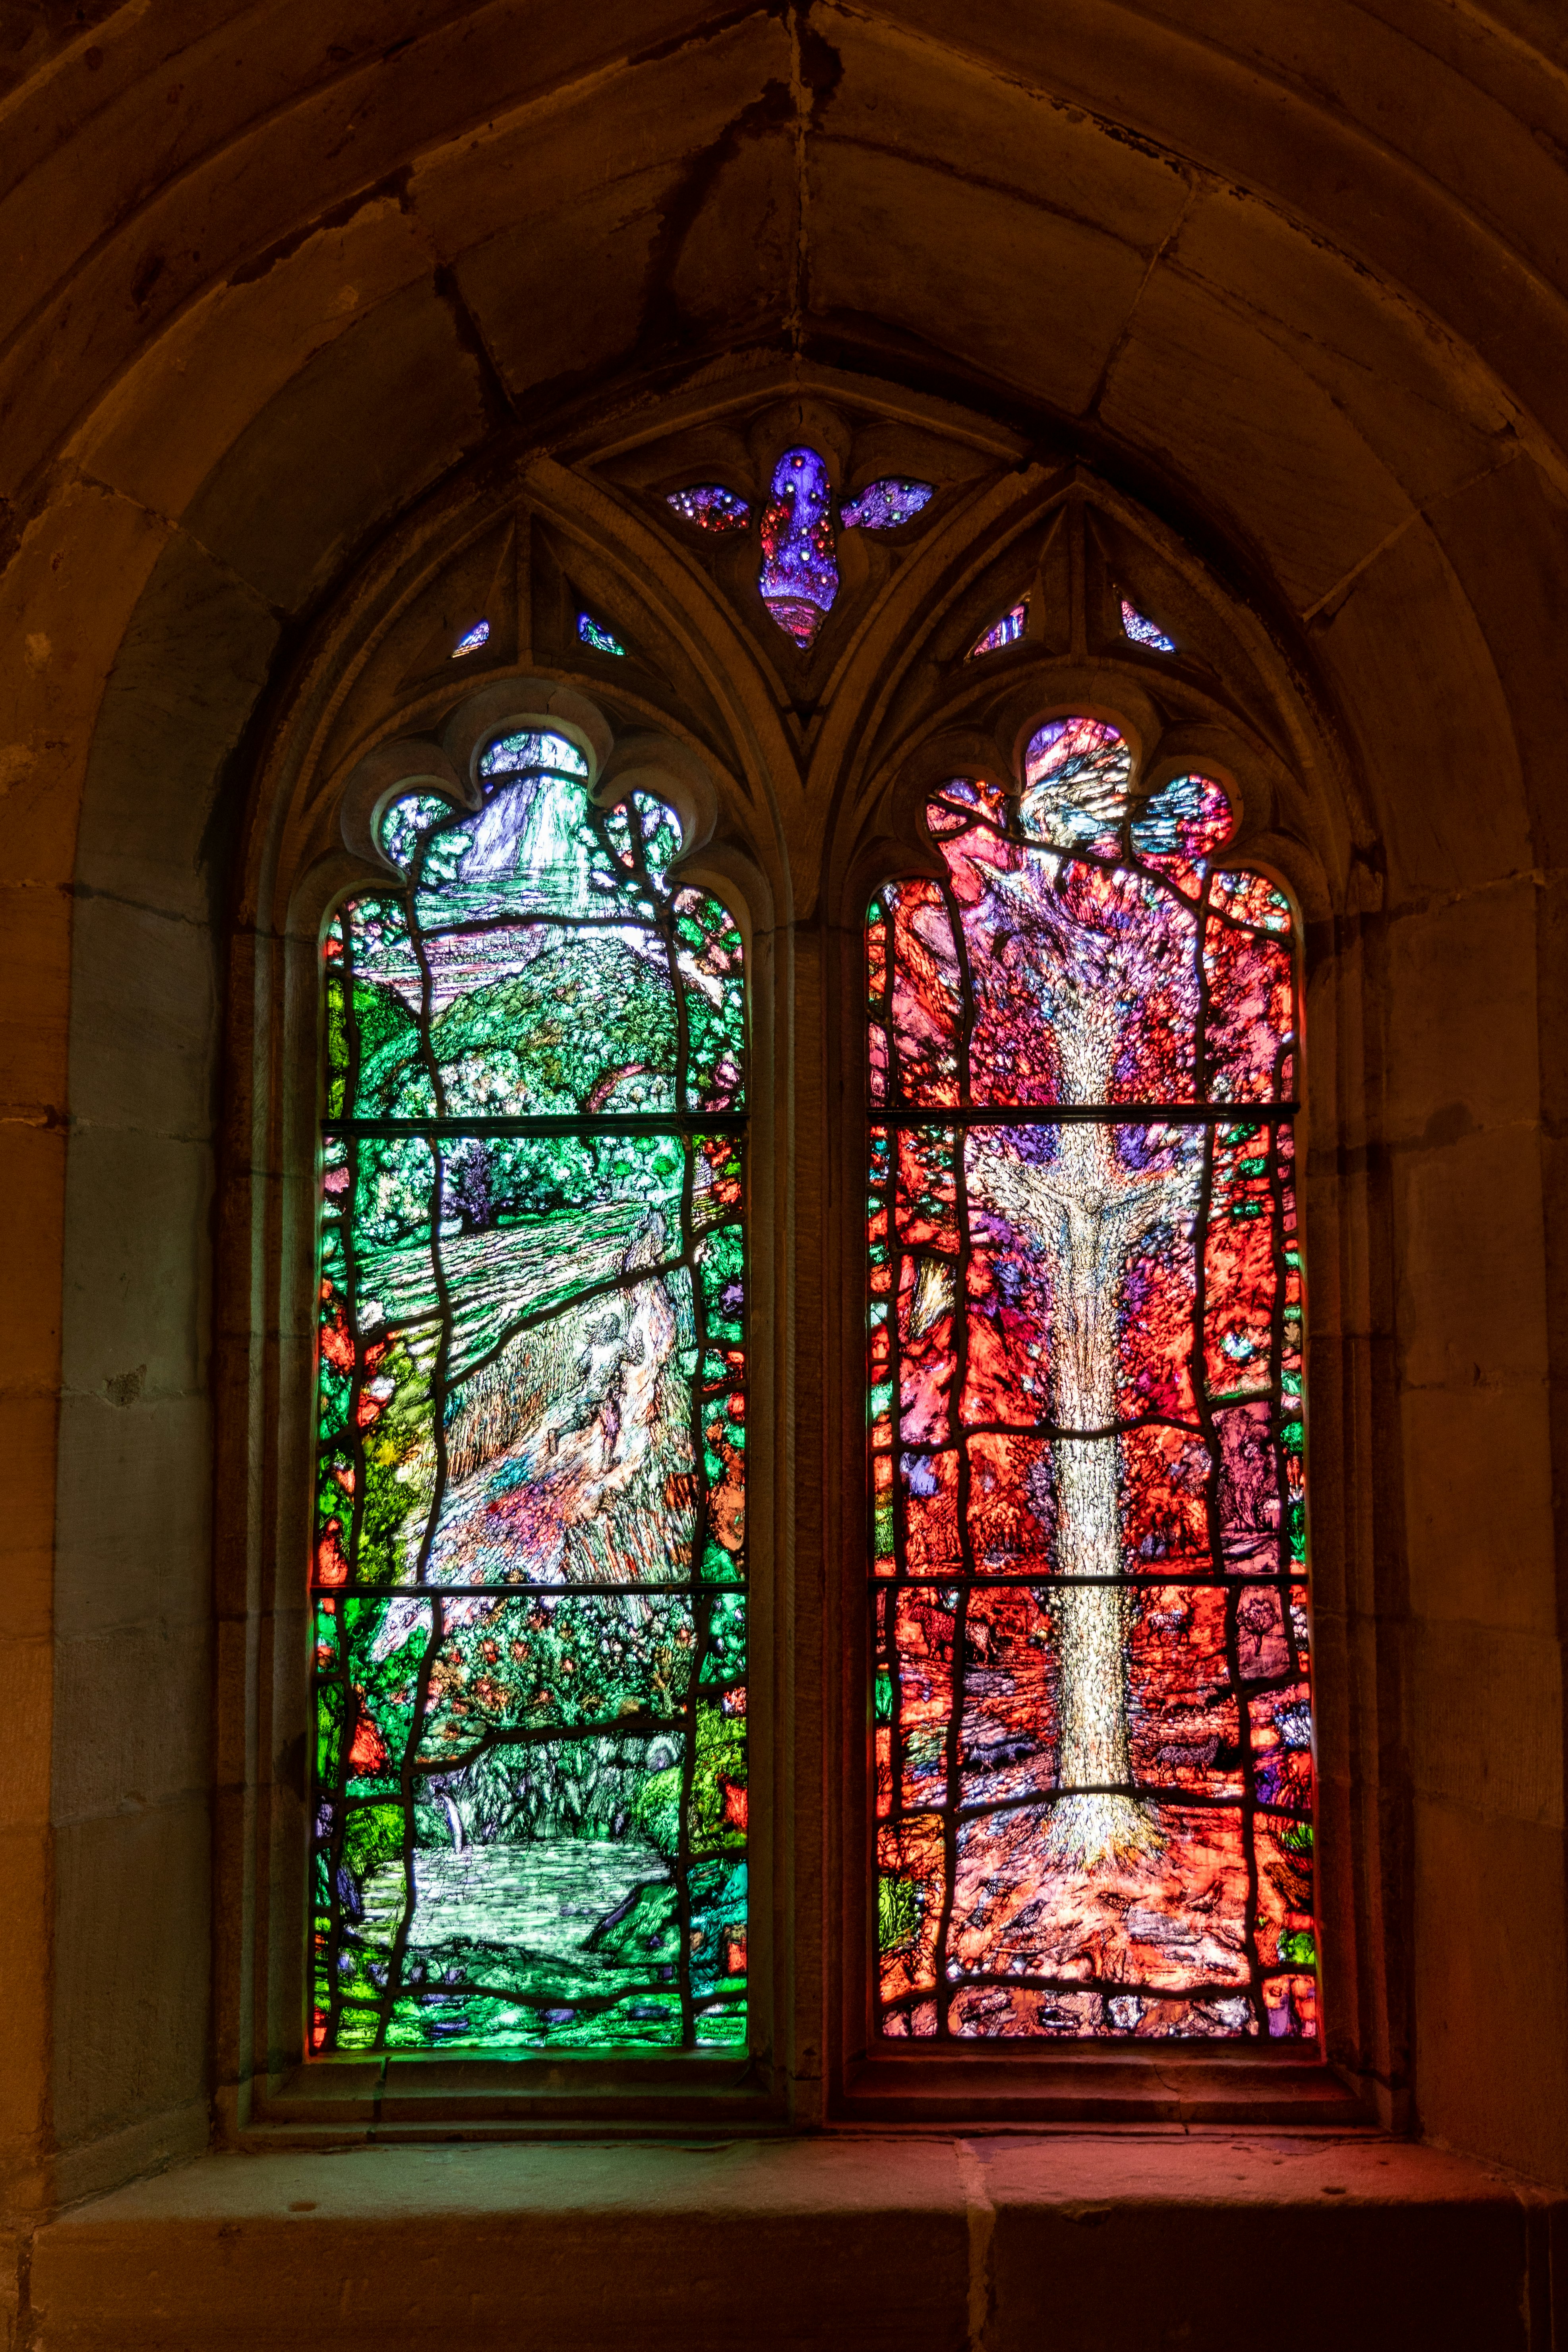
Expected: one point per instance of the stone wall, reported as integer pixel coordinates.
(1290, 275)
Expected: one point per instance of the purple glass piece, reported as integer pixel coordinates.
(471, 639)
(1004, 632)
(711, 507)
(1143, 631)
(884, 505)
(799, 578)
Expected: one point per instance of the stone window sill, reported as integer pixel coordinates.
(1078, 2241)
(1184, 2083)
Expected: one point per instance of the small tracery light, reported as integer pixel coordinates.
(799, 575)
(1144, 631)
(710, 508)
(887, 504)
(594, 633)
(1004, 632)
(1181, 825)
(471, 640)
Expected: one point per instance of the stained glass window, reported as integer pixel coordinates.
(883, 505)
(1143, 631)
(595, 634)
(799, 577)
(1092, 1763)
(711, 507)
(529, 1583)
(472, 639)
(1004, 632)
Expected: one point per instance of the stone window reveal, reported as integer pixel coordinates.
(555, 1670)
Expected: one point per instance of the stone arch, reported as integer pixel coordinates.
(1248, 252)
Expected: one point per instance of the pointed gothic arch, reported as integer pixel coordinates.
(799, 776)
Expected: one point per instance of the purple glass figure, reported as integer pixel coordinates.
(799, 578)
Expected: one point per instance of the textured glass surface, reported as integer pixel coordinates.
(799, 578)
(594, 633)
(1004, 632)
(711, 507)
(1143, 631)
(529, 1581)
(883, 505)
(1093, 1761)
(472, 639)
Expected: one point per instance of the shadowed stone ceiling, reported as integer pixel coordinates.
(1254, 250)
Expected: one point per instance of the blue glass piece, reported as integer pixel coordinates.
(1143, 631)
(884, 505)
(471, 639)
(799, 578)
(1183, 823)
(593, 634)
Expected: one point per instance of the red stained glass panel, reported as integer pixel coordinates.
(1093, 1775)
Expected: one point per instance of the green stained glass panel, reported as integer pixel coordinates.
(529, 1566)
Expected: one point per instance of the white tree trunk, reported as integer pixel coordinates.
(1085, 1210)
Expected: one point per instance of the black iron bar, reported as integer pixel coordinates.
(1113, 1114)
(601, 1586)
(671, 1122)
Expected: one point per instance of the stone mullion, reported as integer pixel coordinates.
(806, 1605)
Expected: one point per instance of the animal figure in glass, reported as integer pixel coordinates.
(1093, 1750)
(528, 1584)
(798, 579)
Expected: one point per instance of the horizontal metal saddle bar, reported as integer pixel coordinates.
(1116, 1114)
(673, 1122)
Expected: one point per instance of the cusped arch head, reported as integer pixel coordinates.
(1233, 703)
(528, 706)
(691, 694)
(531, 726)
